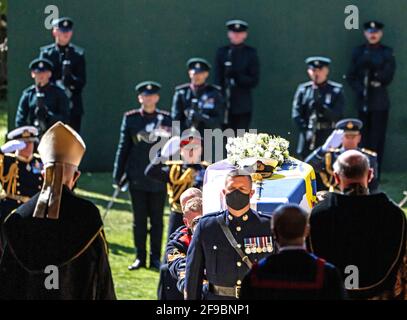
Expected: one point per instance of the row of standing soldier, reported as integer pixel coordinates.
(197, 105)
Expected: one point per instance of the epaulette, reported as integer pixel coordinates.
(182, 86)
(164, 112)
(32, 87)
(335, 84)
(334, 150)
(211, 215)
(47, 47)
(131, 112)
(219, 88)
(78, 49)
(369, 152)
(174, 162)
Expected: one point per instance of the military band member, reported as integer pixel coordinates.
(20, 169)
(347, 136)
(198, 104)
(371, 72)
(56, 233)
(179, 175)
(44, 103)
(140, 130)
(69, 66)
(177, 247)
(237, 71)
(293, 273)
(211, 252)
(317, 105)
(364, 235)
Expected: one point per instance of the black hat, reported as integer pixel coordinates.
(198, 64)
(373, 26)
(350, 125)
(148, 87)
(237, 25)
(317, 62)
(26, 133)
(64, 24)
(40, 65)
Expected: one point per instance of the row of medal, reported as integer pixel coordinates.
(258, 245)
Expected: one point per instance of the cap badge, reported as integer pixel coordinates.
(65, 24)
(237, 26)
(41, 65)
(198, 65)
(149, 87)
(372, 24)
(349, 125)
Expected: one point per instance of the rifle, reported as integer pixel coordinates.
(41, 112)
(313, 120)
(365, 90)
(228, 83)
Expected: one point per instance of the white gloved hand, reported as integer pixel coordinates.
(333, 141)
(12, 146)
(171, 147)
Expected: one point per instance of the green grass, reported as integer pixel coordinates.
(142, 284)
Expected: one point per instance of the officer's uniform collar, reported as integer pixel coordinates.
(43, 88)
(237, 46)
(321, 85)
(197, 88)
(147, 114)
(243, 218)
(292, 248)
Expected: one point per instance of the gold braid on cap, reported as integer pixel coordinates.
(50, 196)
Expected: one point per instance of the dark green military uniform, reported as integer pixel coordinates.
(69, 70)
(201, 106)
(315, 109)
(42, 106)
(132, 157)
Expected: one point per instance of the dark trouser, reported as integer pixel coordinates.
(374, 132)
(147, 204)
(75, 122)
(174, 222)
(240, 121)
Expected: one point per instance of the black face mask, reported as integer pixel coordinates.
(237, 200)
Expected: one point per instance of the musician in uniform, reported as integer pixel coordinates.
(347, 136)
(317, 105)
(142, 128)
(293, 273)
(69, 66)
(44, 103)
(237, 71)
(179, 175)
(226, 244)
(364, 235)
(55, 246)
(371, 71)
(20, 169)
(198, 104)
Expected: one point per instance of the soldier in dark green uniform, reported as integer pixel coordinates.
(44, 103)
(198, 104)
(347, 136)
(69, 67)
(371, 72)
(237, 71)
(55, 247)
(317, 105)
(141, 128)
(20, 169)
